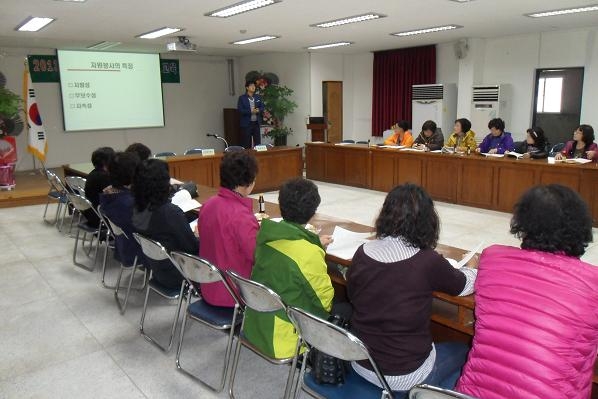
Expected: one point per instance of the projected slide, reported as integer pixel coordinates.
(102, 90)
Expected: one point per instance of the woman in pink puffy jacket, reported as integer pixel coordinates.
(536, 330)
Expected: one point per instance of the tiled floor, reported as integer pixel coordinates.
(62, 336)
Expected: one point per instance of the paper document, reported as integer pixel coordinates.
(193, 224)
(412, 149)
(346, 242)
(396, 147)
(436, 151)
(466, 258)
(343, 143)
(514, 154)
(576, 160)
(183, 200)
(493, 155)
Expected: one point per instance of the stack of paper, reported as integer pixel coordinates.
(493, 155)
(466, 258)
(346, 242)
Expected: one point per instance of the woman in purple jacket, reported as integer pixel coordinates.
(536, 329)
(497, 141)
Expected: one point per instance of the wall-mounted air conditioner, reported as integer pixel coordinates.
(489, 102)
(437, 102)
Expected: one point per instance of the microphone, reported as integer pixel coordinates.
(219, 138)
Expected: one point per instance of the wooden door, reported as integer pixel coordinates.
(332, 101)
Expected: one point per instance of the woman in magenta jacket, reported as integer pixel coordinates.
(536, 330)
(582, 145)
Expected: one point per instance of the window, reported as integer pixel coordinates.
(550, 92)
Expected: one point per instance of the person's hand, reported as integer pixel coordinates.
(478, 150)
(558, 156)
(493, 151)
(526, 155)
(590, 154)
(325, 240)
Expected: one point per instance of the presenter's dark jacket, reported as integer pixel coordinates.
(97, 180)
(168, 225)
(245, 109)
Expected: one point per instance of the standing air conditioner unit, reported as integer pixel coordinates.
(489, 102)
(436, 102)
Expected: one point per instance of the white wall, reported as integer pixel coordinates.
(358, 75)
(192, 108)
(293, 72)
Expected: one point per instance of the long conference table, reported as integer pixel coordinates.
(473, 180)
(275, 165)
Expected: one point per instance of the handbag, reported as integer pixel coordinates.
(328, 369)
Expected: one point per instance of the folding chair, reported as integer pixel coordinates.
(164, 154)
(57, 192)
(234, 148)
(155, 251)
(120, 237)
(338, 342)
(259, 298)
(197, 270)
(424, 391)
(82, 204)
(76, 184)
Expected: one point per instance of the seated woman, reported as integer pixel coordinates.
(97, 180)
(463, 138)
(536, 329)
(534, 145)
(390, 284)
(401, 136)
(582, 145)
(497, 141)
(117, 203)
(142, 151)
(430, 138)
(227, 226)
(157, 218)
(290, 260)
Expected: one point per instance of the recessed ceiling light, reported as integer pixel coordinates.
(241, 7)
(256, 39)
(33, 24)
(349, 20)
(338, 44)
(159, 33)
(103, 45)
(565, 11)
(427, 30)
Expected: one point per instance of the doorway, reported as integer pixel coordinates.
(557, 102)
(332, 102)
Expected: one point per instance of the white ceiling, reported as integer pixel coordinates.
(79, 25)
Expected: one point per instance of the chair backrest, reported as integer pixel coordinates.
(387, 133)
(558, 147)
(196, 269)
(332, 340)
(348, 141)
(79, 202)
(114, 228)
(256, 296)
(234, 148)
(425, 391)
(76, 184)
(152, 249)
(164, 154)
(55, 181)
(193, 151)
(362, 142)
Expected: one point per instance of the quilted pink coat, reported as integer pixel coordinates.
(536, 329)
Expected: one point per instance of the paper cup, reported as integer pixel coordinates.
(550, 159)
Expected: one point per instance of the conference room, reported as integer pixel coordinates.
(65, 336)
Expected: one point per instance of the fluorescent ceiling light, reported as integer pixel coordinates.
(103, 45)
(33, 24)
(256, 39)
(562, 12)
(241, 7)
(427, 30)
(349, 20)
(159, 33)
(461, 1)
(319, 46)
(73, 1)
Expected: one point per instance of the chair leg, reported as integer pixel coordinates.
(81, 265)
(104, 261)
(233, 371)
(299, 385)
(177, 359)
(123, 308)
(46, 211)
(63, 207)
(145, 307)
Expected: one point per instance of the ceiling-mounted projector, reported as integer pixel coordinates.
(182, 44)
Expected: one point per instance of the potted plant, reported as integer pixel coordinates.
(277, 105)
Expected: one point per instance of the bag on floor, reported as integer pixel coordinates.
(328, 369)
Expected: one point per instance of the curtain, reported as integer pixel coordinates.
(395, 71)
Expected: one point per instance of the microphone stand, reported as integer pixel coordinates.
(219, 138)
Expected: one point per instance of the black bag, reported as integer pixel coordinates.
(327, 369)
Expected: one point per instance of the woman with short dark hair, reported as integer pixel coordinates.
(390, 284)
(536, 331)
(159, 219)
(582, 145)
(289, 259)
(462, 138)
(497, 141)
(534, 145)
(430, 138)
(97, 180)
(227, 226)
